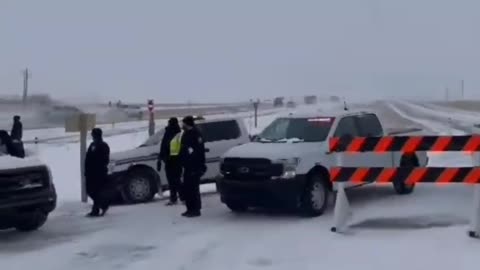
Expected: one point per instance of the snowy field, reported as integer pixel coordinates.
(425, 230)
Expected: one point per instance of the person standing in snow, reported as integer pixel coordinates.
(169, 152)
(96, 173)
(192, 158)
(7, 146)
(16, 135)
(17, 129)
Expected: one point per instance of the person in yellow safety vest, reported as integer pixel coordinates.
(175, 145)
(169, 154)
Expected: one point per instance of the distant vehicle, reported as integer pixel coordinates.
(27, 193)
(335, 99)
(134, 171)
(134, 112)
(310, 100)
(278, 102)
(288, 163)
(291, 104)
(59, 113)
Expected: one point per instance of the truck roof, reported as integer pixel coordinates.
(329, 113)
(215, 119)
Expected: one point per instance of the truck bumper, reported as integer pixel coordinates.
(46, 200)
(267, 193)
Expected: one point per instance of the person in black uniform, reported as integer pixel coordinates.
(192, 157)
(17, 129)
(8, 147)
(96, 173)
(169, 153)
(16, 135)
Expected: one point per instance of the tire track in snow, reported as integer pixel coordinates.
(425, 118)
(435, 125)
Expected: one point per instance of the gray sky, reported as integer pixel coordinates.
(205, 50)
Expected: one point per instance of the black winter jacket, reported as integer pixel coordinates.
(17, 131)
(97, 159)
(192, 152)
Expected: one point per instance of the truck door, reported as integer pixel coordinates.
(219, 137)
(370, 126)
(347, 127)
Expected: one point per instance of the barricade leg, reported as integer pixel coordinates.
(342, 210)
(475, 218)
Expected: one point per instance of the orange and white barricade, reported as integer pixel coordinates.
(340, 175)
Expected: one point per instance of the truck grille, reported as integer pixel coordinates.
(22, 182)
(250, 169)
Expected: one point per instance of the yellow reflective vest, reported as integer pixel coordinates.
(175, 144)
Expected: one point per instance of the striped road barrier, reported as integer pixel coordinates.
(341, 175)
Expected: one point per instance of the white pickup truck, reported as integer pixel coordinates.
(134, 172)
(288, 163)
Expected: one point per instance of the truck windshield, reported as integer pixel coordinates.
(154, 139)
(297, 130)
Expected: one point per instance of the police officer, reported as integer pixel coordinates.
(8, 147)
(169, 154)
(192, 156)
(96, 173)
(17, 129)
(16, 135)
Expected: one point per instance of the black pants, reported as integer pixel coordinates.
(191, 191)
(96, 190)
(173, 171)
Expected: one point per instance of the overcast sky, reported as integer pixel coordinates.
(205, 50)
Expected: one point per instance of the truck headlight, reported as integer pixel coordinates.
(289, 167)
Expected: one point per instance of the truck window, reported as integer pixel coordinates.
(220, 131)
(370, 125)
(347, 126)
(298, 129)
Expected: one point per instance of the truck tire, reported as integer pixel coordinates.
(237, 207)
(139, 186)
(31, 221)
(315, 198)
(400, 187)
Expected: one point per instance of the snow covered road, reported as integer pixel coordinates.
(152, 235)
(426, 226)
(424, 230)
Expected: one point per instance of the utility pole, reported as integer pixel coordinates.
(462, 88)
(255, 108)
(26, 76)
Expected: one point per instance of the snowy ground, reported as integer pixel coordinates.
(425, 230)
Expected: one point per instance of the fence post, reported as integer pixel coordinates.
(474, 231)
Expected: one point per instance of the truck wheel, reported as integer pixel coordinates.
(237, 207)
(31, 221)
(315, 198)
(400, 187)
(139, 187)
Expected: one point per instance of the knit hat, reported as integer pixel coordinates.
(189, 121)
(173, 121)
(97, 133)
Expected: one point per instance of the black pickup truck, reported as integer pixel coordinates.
(27, 195)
